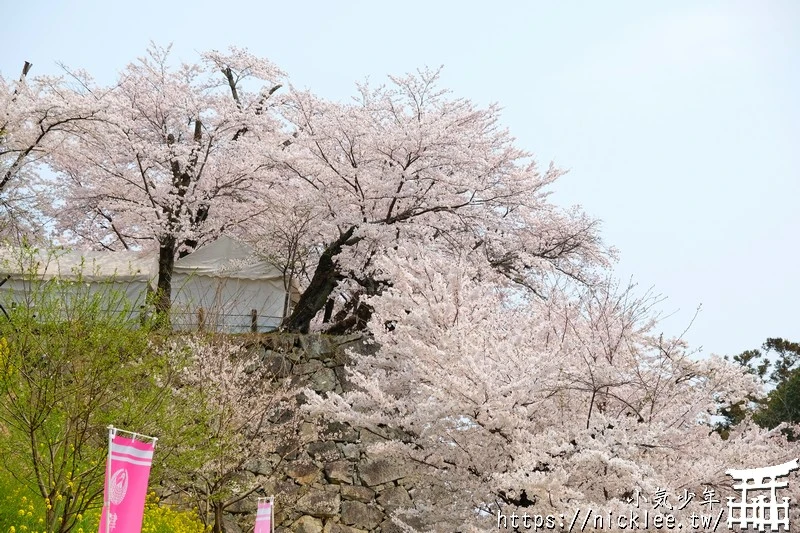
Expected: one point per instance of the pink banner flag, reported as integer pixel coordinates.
(264, 517)
(127, 473)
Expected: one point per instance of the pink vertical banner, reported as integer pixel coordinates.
(127, 474)
(264, 516)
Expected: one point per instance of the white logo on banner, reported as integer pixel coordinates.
(119, 486)
(116, 493)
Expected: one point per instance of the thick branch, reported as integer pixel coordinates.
(321, 286)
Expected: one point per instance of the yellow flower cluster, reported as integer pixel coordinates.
(164, 519)
(19, 514)
(26, 517)
(6, 366)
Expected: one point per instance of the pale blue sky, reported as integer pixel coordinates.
(679, 121)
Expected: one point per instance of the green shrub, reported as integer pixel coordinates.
(68, 369)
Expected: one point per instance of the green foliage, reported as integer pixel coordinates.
(733, 415)
(787, 357)
(782, 404)
(753, 361)
(68, 369)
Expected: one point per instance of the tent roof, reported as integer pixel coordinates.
(86, 265)
(224, 257)
(227, 257)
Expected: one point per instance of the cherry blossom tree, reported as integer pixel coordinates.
(511, 405)
(408, 162)
(182, 154)
(241, 414)
(35, 114)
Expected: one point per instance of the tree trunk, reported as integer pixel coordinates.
(200, 216)
(319, 290)
(218, 525)
(166, 265)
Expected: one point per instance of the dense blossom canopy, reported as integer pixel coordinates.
(543, 406)
(178, 152)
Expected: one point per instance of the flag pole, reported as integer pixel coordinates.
(112, 431)
(135, 435)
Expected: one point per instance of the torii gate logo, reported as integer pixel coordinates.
(760, 512)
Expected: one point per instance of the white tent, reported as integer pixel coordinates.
(222, 286)
(226, 286)
(116, 281)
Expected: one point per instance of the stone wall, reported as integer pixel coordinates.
(331, 485)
